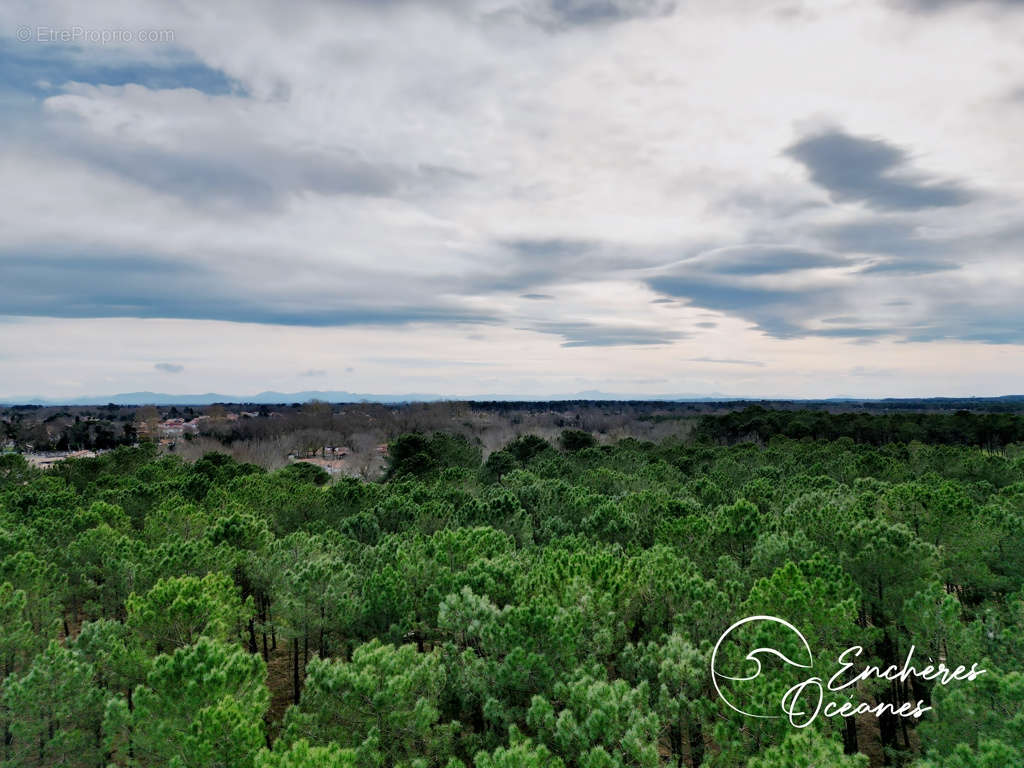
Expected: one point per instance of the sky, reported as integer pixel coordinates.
(535, 197)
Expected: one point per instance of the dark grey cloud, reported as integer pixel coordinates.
(246, 174)
(767, 260)
(726, 361)
(156, 286)
(796, 12)
(585, 12)
(909, 267)
(884, 236)
(765, 204)
(584, 334)
(776, 311)
(429, 362)
(906, 248)
(872, 171)
(853, 332)
(832, 309)
(934, 6)
(169, 367)
(744, 281)
(778, 289)
(789, 291)
(706, 324)
(552, 15)
(537, 296)
(704, 292)
(558, 16)
(841, 320)
(535, 266)
(548, 249)
(994, 323)
(256, 182)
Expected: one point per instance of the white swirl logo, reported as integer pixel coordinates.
(753, 656)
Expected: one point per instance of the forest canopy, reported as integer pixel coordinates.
(553, 603)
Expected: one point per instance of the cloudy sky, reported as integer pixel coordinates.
(738, 197)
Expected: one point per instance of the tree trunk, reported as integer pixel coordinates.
(906, 736)
(696, 745)
(921, 692)
(850, 736)
(321, 649)
(887, 721)
(675, 740)
(295, 669)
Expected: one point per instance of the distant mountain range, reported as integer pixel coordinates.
(272, 398)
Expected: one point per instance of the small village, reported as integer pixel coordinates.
(171, 432)
(335, 460)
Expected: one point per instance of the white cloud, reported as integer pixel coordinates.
(376, 163)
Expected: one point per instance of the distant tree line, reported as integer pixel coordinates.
(62, 431)
(987, 430)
